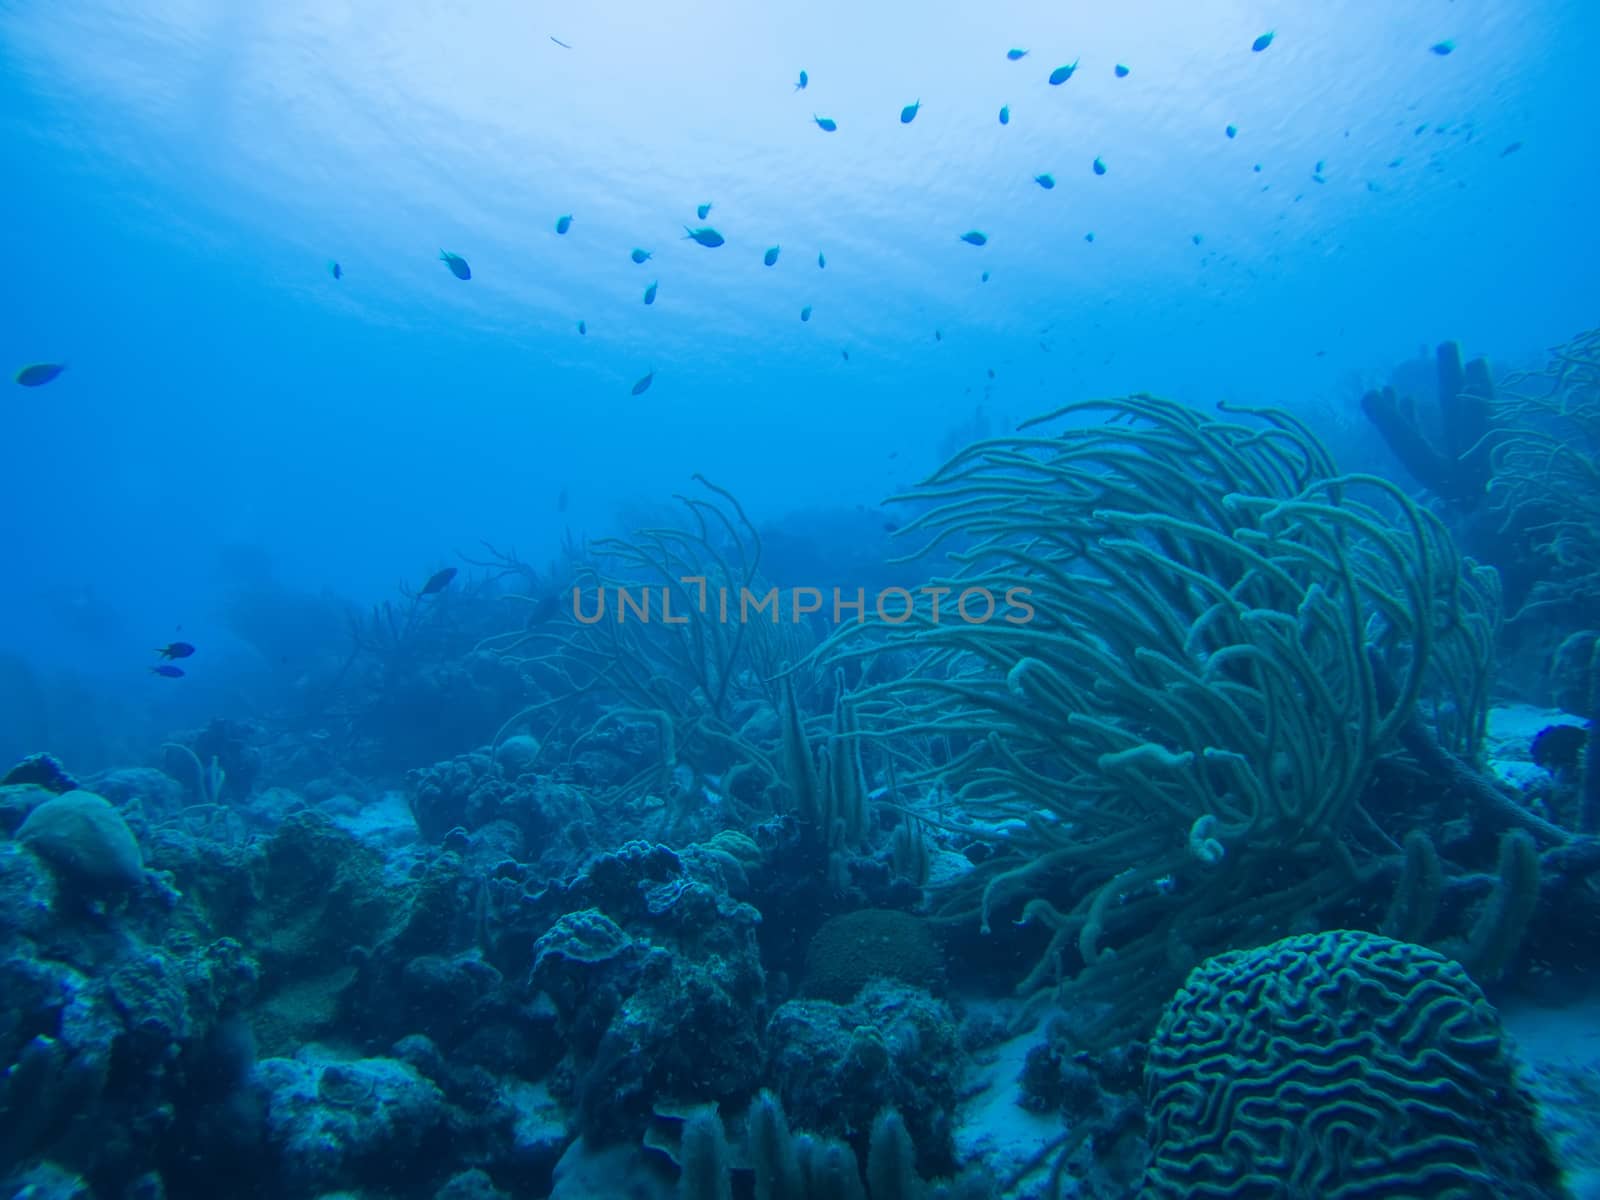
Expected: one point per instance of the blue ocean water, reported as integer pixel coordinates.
(248, 451)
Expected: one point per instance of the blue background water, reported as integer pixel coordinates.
(180, 173)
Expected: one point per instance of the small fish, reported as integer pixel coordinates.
(908, 114)
(821, 261)
(1046, 181)
(805, 313)
(1099, 166)
(991, 372)
(846, 355)
(984, 278)
(39, 374)
(1016, 55)
(640, 256)
(335, 270)
(1120, 71)
(1197, 239)
(891, 526)
(457, 264)
(1256, 168)
(1420, 130)
(643, 385)
(826, 124)
(583, 327)
(650, 294)
(975, 237)
(1442, 48)
(559, 42)
(799, 87)
(938, 336)
(1231, 131)
(437, 582)
(1262, 42)
(1061, 74)
(167, 671)
(770, 258)
(1511, 149)
(564, 223)
(175, 650)
(703, 211)
(706, 236)
(1089, 237)
(1005, 114)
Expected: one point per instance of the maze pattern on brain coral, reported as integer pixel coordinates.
(1337, 1066)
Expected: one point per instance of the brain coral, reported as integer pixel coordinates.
(84, 837)
(1338, 1066)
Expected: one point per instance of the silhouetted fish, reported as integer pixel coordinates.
(826, 124)
(639, 255)
(167, 671)
(1443, 48)
(706, 236)
(1005, 114)
(1120, 71)
(564, 223)
(821, 261)
(703, 210)
(805, 313)
(800, 86)
(457, 264)
(176, 650)
(335, 270)
(975, 237)
(39, 374)
(1016, 55)
(908, 114)
(1061, 74)
(1262, 42)
(583, 327)
(1099, 166)
(643, 385)
(559, 42)
(770, 258)
(437, 582)
(1046, 181)
(650, 293)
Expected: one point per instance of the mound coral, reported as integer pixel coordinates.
(1341, 1065)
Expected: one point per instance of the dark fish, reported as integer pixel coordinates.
(1046, 181)
(650, 293)
(167, 671)
(335, 270)
(846, 355)
(799, 87)
(1099, 166)
(704, 210)
(1557, 747)
(821, 261)
(639, 255)
(1120, 71)
(706, 236)
(984, 278)
(559, 42)
(805, 313)
(826, 124)
(1016, 55)
(1262, 42)
(564, 223)
(891, 526)
(908, 114)
(938, 335)
(457, 264)
(1442, 48)
(991, 372)
(1231, 130)
(975, 237)
(583, 327)
(1197, 239)
(1511, 149)
(643, 385)
(1005, 114)
(176, 650)
(771, 256)
(437, 582)
(1061, 74)
(1089, 237)
(39, 374)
